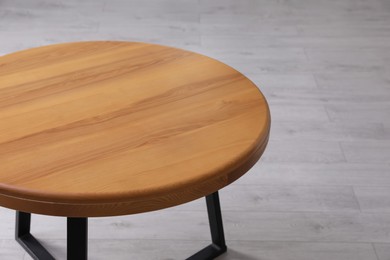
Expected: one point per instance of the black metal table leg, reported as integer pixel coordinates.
(218, 246)
(77, 235)
(28, 241)
(77, 239)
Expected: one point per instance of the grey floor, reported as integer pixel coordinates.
(321, 190)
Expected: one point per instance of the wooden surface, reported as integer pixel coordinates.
(110, 128)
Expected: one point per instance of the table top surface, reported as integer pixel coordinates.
(112, 128)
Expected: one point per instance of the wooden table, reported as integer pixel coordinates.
(94, 129)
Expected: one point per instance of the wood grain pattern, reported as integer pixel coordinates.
(109, 128)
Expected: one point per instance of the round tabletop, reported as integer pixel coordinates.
(110, 128)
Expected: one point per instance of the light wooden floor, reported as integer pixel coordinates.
(321, 190)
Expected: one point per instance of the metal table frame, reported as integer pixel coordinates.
(77, 235)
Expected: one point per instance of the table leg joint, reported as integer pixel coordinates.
(218, 245)
(23, 236)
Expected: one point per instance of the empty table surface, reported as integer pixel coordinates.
(109, 128)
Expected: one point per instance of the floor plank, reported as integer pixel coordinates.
(355, 174)
(368, 151)
(373, 199)
(382, 251)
